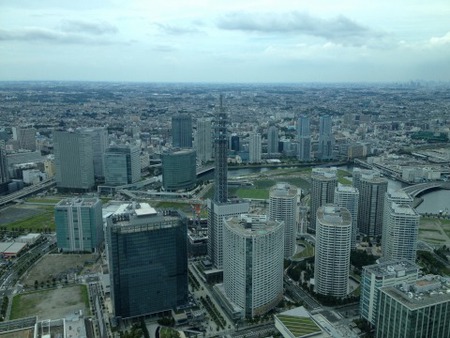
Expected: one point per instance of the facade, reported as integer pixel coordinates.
(376, 276)
(4, 174)
(122, 165)
(216, 214)
(323, 185)
(272, 140)
(348, 197)
(332, 258)
(326, 139)
(25, 137)
(254, 148)
(253, 263)
(416, 310)
(79, 224)
(182, 131)
(234, 142)
(372, 188)
(147, 256)
(204, 140)
(304, 139)
(179, 170)
(283, 207)
(74, 161)
(400, 227)
(220, 155)
(99, 138)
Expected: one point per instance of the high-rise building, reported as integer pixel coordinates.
(272, 140)
(323, 184)
(179, 170)
(347, 197)
(25, 137)
(147, 257)
(122, 165)
(4, 175)
(376, 276)
(400, 227)
(220, 207)
(74, 161)
(326, 139)
(79, 224)
(283, 207)
(99, 138)
(182, 131)
(234, 142)
(253, 263)
(332, 258)
(254, 148)
(304, 139)
(417, 310)
(371, 187)
(204, 141)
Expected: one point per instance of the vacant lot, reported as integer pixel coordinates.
(50, 304)
(56, 266)
(33, 218)
(435, 231)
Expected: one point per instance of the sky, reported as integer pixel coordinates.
(225, 40)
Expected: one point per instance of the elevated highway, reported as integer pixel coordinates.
(418, 189)
(48, 183)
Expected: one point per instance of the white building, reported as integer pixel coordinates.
(254, 149)
(253, 263)
(347, 197)
(400, 227)
(216, 214)
(332, 259)
(283, 207)
(323, 183)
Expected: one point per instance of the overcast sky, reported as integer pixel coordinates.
(225, 40)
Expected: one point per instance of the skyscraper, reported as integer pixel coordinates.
(182, 131)
(204, 141)
(347, 197)
(179, 170)
(272, 140)
(332, 258)
(122, 165)
(283, 207)
(4, 175)
(79, 224)
(147, 257)
(220, 207)
(416, 310)
(234, 142)
(323, 184)
(400, 227)
(99, 138)
(304, 139)
(25, 137)
(253, 263)
(376, 276)
(74, 161)
(372, 188)
(326, 139)
(254, 148)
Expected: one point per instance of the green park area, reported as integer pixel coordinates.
(299, 326)
(167, 332)
(308, 250)
(28, 219)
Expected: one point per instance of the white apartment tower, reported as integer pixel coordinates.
(347, 197)
(253, 263)
(283, 207)
(323, 184)
(400, 227)
(254, 149)
(332, 259)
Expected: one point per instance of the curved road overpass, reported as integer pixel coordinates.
(418, 189)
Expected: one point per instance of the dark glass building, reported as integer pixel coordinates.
(179, 170)
(148, 261)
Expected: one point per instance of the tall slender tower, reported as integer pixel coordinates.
(272, 140)
(182, 131)
(347, 197)
(220, 152)
(254, 148)
(304, 139)
(326, 140)
(203, 141)
(323, 184)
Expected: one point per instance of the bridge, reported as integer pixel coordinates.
(48, 183)
(418, 189)
(204, 170)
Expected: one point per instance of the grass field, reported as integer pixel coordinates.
(43, 219)
(50, 304)
(167, 332)
(307, 252)
(43, 200)
(342, 174)
(299, 326)
(434, 230)
(265, 183)
(253, 193)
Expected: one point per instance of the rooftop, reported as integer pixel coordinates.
(331, 214)
(252, 225)
(392, 268)
(78, 202)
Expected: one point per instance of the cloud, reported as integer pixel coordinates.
(441, 40)
(164, 48)
(177, 30)
(338, 29)
(86, 27)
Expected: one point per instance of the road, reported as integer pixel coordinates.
(300, 295)
(27, 191)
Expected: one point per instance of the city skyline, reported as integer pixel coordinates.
(225, 42)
